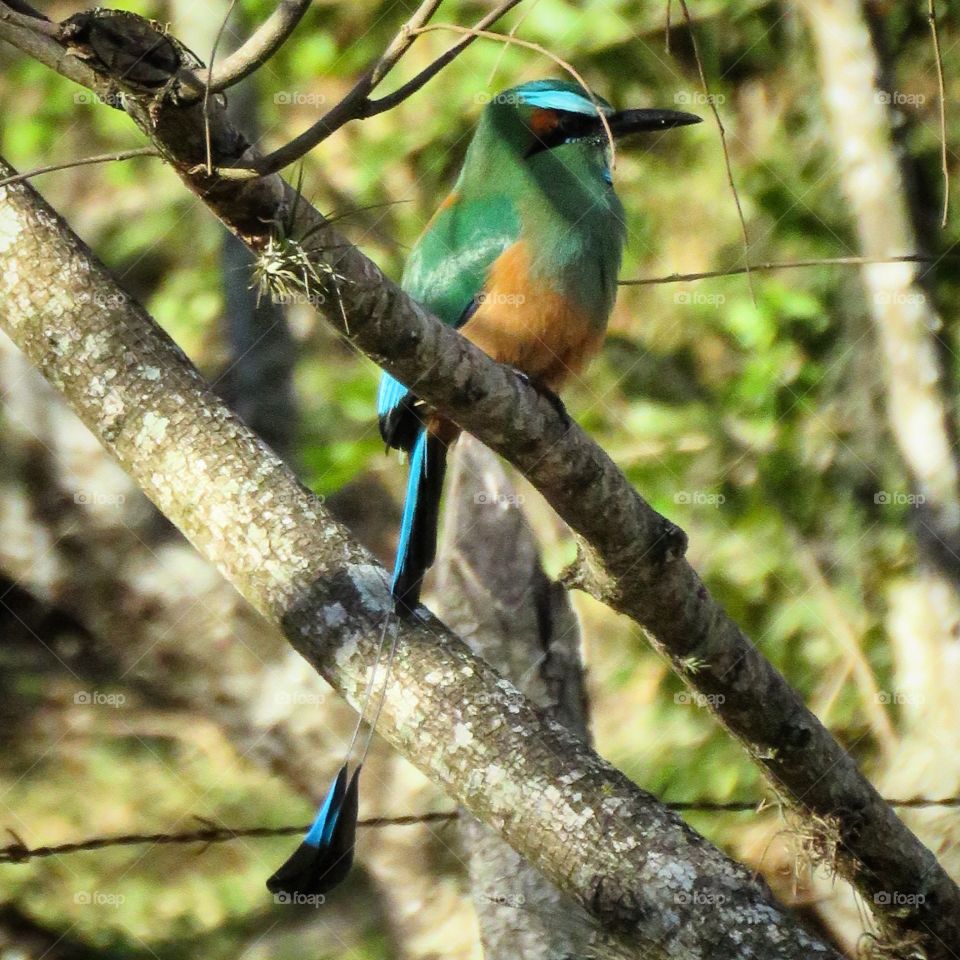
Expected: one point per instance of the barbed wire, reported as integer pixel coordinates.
(19, 852)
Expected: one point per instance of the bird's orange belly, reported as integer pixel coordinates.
(521, 323)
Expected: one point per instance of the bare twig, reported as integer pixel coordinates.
(723, 137)
(259, 47)
(513, 32)
(783, 265)
(31, 21)
(404, 91)
(207, 90)
(402, 42)
(935, 34)
(849, 638)
(537, 48)
(82, 162)
(357, 103)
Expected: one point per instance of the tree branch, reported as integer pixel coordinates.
(357, 103)
(75, 530)
(497, 597)
(259, 47)
(610, 846)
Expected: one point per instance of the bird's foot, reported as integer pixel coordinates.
(547, 394)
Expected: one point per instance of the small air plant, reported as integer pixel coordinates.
(692, 665)
(287, 272)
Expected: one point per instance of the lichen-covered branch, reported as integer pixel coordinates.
(636, 867)
(76, 532)
(631, 557)
(493, 592)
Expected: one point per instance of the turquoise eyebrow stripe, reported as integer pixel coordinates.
(565, 100)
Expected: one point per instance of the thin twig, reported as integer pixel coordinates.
(82, 162)
(723, 138)
(402, 42)
(31, 21)
(935, 33)
(513, 32)
(784, 265)
(537, 48)
(357, 105)
(849, 638)
(407, 89)
(209, 84)
(259, 47)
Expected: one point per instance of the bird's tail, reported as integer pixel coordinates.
(418, 528)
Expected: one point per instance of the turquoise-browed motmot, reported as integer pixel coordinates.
(522, 258)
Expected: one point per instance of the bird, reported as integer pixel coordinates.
(522, 259)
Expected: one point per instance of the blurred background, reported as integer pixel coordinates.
(798, 423)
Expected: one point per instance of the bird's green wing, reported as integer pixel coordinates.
(445, 272)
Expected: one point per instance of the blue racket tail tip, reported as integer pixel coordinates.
(324, 857)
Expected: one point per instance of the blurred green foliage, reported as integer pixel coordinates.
(748, 410)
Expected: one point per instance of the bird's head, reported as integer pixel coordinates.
(544, 115)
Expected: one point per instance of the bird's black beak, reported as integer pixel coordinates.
(582, 126)
(624, 122)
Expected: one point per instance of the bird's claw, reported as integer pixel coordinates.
(549, 395)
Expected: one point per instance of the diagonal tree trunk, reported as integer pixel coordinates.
(494, 593)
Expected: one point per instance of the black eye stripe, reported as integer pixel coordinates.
(572, 126)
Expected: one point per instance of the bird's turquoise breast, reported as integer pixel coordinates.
(574, 225)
